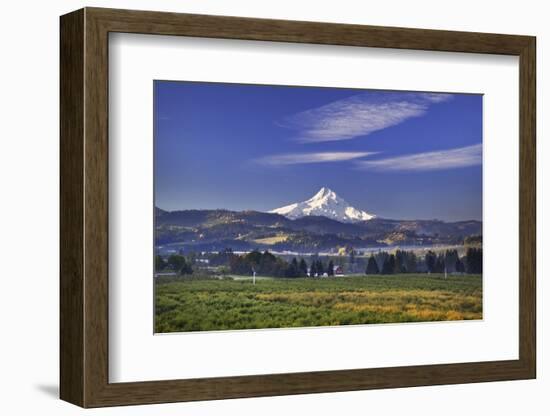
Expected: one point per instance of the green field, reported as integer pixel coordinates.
(192, 304)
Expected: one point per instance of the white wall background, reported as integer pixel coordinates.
(29, 159)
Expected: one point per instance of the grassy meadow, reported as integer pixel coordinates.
(195, 304)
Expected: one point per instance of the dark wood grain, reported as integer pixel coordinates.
(96, 220)
(527, 208)
(71, 100)
(225, 27)
(84, 207)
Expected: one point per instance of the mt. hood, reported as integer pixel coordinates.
(324, 203)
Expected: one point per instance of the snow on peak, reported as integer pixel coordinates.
(324, 203)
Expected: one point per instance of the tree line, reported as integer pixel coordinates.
(174, 262)
(408, 262)
(262, 263)
(267, 264)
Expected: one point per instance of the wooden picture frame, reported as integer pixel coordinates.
(84, 207)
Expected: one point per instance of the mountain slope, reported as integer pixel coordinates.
(324, 203)
(215, 230)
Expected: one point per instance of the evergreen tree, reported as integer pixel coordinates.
(294, 264)
(451, 256)
(430, 261)
(330, 268)
(302, 268)
(400, 262)
(269, 265)
(459, 266)
(372, 266)
(389, 265)
(380, 258)
(411, 262)
(440, 264)
(292, 268)
(352, 260)
(320, 268)
(312, 269)
(474, 261)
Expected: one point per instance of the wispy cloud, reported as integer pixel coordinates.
(360, 115)
(302, 158)
(438, 160)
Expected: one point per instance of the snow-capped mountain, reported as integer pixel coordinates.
(324, 203)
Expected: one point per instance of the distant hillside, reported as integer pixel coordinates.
(159, 212)
(213, 230)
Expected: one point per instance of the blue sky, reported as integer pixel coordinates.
(397, 154)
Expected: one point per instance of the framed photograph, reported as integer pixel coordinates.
(257, 207)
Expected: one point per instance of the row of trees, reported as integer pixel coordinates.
(174, 262)
(266, 264)
(409, 262)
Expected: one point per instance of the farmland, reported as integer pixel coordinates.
(208, 304)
